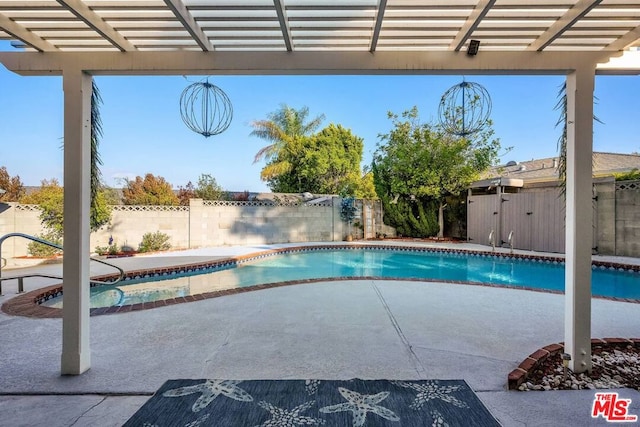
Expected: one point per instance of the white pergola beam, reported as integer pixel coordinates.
(480, 11)
(579, 218)
(24, 35)
(299, 63)
(84, 13)
(626, 64)
(284, 24)
(574, 14)
(186, 18)
(382, 7)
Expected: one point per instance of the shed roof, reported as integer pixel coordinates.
(545, 169)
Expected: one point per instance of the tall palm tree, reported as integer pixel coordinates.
(282, 128)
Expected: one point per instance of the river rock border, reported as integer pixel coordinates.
(535, 360)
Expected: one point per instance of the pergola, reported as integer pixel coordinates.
(81, 38)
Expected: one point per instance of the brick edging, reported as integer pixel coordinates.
(529, 365)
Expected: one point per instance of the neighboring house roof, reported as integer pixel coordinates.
(546, 169)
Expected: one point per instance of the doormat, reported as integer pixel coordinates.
(290, 403)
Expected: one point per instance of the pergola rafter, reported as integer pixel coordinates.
(94, 21)
(480, 11)
(563, 24)
(184, 16)
(26, 36)
(630, 38)
(284, 24)
(382, 6)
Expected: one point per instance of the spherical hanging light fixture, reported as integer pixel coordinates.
(464, 108)
(205, 108)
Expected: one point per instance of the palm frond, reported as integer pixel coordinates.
(561, 105)
(267, 152)
(96, 136)
(282, 128)
(266, 130)
(274, 170)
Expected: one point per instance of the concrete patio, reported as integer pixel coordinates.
(331, 330)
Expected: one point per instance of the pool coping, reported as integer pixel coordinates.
(30, 303)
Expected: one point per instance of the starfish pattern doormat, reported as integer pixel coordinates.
(292, 403)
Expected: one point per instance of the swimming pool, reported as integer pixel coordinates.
(388, 263)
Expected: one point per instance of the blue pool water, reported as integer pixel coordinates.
(366, 262)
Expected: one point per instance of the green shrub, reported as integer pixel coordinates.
(112, 249)
(157, 241)
(632, 175)
(43, 251)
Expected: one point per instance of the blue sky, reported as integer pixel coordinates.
(143, 131)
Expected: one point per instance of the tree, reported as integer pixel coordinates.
(50, 198)
(101, 208)
(151, 190)
(419, 165)
(185, 193)
(366, 188)
(331, 161)
(207, 188)
(327, 163)
(12, 186)
(283, 129)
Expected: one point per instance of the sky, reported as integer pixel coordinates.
(144, 133)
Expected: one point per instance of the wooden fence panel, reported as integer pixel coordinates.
(536, 219)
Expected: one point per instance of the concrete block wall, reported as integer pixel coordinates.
(129, 223)
(199, 225)
(605, 229)
(17, 218)
(627, 219)
(245, 223)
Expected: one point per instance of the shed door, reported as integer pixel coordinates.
(482, 217)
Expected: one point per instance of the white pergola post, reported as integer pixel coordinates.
(577, 324)
(76, 354)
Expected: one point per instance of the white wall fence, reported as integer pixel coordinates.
(210, 223)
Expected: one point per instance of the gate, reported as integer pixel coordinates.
(535, 218)
(482, 217)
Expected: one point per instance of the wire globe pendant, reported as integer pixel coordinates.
(464, 109)
(205, 108)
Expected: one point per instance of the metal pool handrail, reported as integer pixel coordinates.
(48, 276)
(510, 240)
(492, 240)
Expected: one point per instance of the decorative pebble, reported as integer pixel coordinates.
(617, 369)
